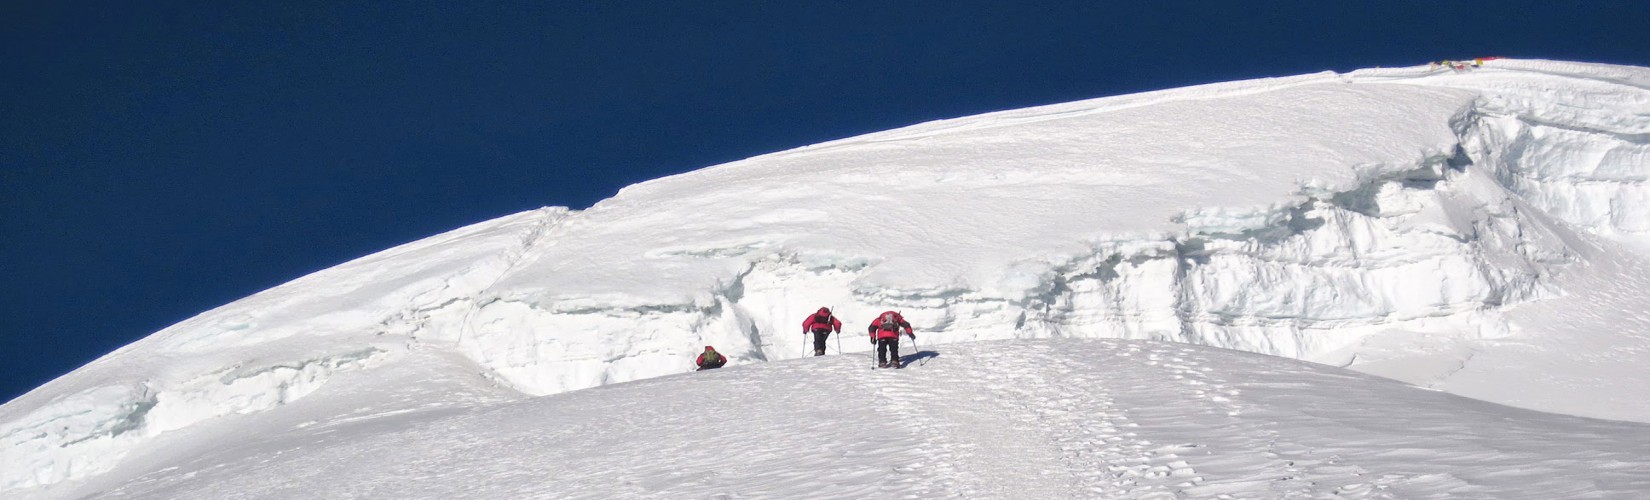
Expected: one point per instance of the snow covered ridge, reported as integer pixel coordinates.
(1291, 216)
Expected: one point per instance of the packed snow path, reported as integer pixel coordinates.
(1001, 419)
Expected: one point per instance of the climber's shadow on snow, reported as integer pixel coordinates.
(917, 357)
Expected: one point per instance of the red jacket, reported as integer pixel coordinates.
(830, 323)
(721, 359)
(887, 326)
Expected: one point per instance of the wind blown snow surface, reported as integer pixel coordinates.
(1003, 419)
(1478, 232)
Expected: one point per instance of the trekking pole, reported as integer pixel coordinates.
(838, 333)
(872, 354)
(916, 349)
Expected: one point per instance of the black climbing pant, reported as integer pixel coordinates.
(819, 341)
(888, 348)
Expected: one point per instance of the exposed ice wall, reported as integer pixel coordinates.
(1574, 148)
(1436, 247)
(1591, 178)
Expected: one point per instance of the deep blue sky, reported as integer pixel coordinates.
(158, 159)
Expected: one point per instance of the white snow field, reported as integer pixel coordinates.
(1061, 418)
(1477, 233)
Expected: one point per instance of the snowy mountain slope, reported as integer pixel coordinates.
(259, 353)
(1470, 231)
(1288, 217)
(1006, 419)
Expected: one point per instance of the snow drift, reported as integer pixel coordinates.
(1304, 217)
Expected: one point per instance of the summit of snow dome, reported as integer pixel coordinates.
(959, 204)
(1472, 230)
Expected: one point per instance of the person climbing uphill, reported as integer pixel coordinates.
(885, 331)
(710, 359)
(821, 324)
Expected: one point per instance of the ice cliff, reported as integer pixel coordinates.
(1293, 216)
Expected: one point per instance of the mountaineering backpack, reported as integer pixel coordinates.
(712, 358)
(822, 323)
(888, 322)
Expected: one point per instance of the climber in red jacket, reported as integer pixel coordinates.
(821, 324)
(885, 332)
(710, 359)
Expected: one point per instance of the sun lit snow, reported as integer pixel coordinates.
(1474, 231)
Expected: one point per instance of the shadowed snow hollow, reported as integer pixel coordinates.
(1404, 221)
